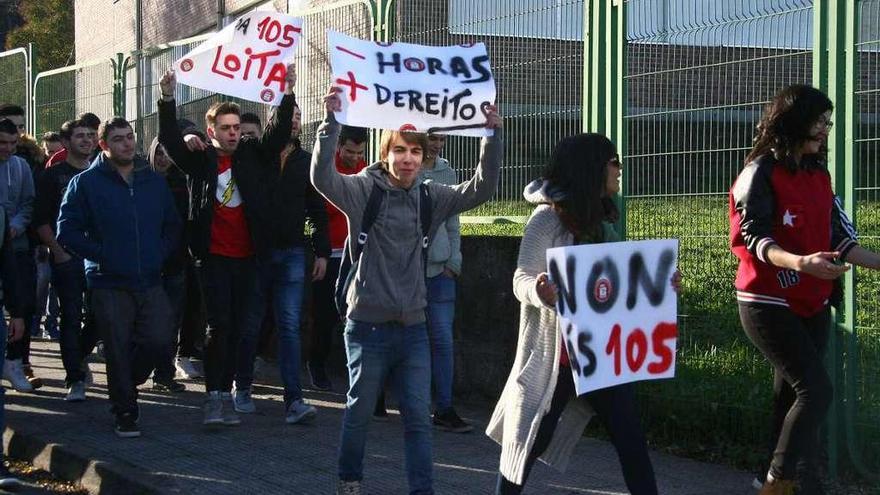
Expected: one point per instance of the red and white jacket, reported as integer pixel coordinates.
(769, 204)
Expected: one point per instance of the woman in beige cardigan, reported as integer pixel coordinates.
(539, 414)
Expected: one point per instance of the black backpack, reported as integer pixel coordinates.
(347, 269)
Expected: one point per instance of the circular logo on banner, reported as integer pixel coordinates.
(414, 65)
(467, 45)
(602, 290)
(186, 65)
(384, 43)
(407, 128)
(267, 95)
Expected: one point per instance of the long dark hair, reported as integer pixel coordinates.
(787, 123)
(579, 168)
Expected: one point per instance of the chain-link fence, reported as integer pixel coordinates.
(698, 75)
(864, 384)
(537, 55)
(62, 94)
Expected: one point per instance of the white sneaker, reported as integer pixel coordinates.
(14, 374)
(89, 380)
(300, 412)
(76, 392)
(186, 369)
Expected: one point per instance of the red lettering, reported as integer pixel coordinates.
(639, 343)
(278, 73)
(614, 347)
(232, 63)
(288, 38)
(216, 69)
(662, 333)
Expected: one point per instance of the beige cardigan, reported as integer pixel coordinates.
(530, 386)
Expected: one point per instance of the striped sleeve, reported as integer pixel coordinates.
(843, 233)
(754, 202)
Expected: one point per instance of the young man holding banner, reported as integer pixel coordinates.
(385, 333)
(229, 227)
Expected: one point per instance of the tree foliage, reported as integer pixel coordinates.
(48, 24)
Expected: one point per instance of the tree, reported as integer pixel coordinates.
(48, 24)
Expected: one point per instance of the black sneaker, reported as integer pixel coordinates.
(171, 385)
(126, 426)
(320, 380)
(450, 421)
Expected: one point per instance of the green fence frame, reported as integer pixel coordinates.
(16, 79)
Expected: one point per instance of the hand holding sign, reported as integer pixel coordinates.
(546, 289)
(332, 101)
(493, 119)
(290, 79)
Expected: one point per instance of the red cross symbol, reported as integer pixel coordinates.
(351, 83)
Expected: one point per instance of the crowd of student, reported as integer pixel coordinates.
(192, 253)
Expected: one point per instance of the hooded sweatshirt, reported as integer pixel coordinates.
(17, 196)
(389, 285)
(445, 249)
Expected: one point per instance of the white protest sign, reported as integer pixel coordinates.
(401, 86)
(617, 310)
(248, 58)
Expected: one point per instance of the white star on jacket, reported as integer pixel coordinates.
(788, 218)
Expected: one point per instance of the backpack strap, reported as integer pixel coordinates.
(425, 211)
(371, 212)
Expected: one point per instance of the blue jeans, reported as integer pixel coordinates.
(375, 351)
(281, 281)
(441, 315)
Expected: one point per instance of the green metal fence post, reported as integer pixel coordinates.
(31, 64)
(617, 84)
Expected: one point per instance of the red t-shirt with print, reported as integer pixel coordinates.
(230, 236)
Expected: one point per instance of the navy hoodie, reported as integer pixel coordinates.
(125, 232)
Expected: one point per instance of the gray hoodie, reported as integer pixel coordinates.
(445, 250)
(390, 282)
(17, 195)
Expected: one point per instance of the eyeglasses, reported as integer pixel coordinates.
(826, 123)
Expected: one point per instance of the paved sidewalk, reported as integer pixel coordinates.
(264, 455)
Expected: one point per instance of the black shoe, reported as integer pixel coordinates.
(450, 421)
(126, 425)
(7, 479)
(320, 381)
(170, 385)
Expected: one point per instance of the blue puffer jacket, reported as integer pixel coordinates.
(125, 232)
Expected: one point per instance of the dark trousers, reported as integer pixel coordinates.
(174, 287)
(616, 408)
(192, 335)
(26, 273)
(325, 316)
(78, 333)
(794, 345)
(136, 328)
(230, 292)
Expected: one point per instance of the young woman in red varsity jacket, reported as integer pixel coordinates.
(792, 239)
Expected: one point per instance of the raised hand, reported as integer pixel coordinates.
(332, 101)
(493, 119)
(168, 84)
(290, 79)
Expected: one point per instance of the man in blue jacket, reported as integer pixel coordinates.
(120, 217)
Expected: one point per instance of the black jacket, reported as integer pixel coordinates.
(293, 198)
(252, 164)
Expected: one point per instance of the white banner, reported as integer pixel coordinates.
(617, 310)
(247, 59)
(402, 86)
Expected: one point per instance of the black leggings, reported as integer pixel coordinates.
(802, 390)
(616, 408)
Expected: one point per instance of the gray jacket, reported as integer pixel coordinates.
(445, 249)
(389, 285)
(17, 196)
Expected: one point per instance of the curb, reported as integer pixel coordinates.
(63, 461)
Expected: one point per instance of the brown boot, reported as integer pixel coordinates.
(778, 487)
(29, 374)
